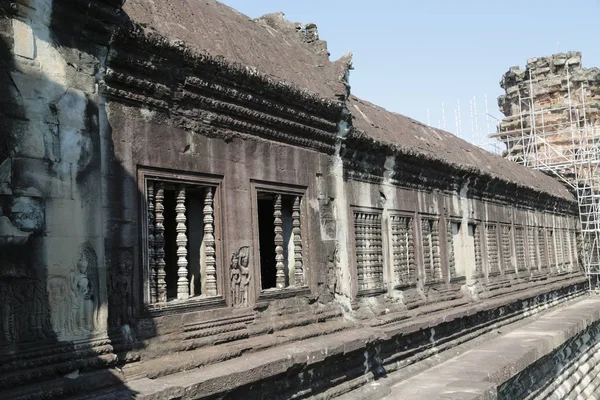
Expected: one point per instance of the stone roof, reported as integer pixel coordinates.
(293, 53)
(413, 137)
(271, 44)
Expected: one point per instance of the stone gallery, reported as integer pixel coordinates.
(194, 205)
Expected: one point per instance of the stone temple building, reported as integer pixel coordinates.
(194, 205)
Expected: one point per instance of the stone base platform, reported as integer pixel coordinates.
(362, 357)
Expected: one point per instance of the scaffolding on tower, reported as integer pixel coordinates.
(555, 135)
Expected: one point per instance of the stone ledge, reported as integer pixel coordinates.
(335, 359)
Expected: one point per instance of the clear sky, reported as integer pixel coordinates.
(413, 55)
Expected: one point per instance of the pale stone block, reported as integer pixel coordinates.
(24, 40)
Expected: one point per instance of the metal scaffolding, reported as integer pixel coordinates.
(556, 136)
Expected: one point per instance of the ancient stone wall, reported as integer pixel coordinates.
(159, 202)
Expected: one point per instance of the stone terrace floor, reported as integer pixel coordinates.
(476, 373)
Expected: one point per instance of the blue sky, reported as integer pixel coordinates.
(411, 56)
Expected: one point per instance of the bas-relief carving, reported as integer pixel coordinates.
(24, 313)
(74, 299)
(334, 273)
(240, 276)
(119, 289)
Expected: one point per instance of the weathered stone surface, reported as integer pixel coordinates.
(217, 215)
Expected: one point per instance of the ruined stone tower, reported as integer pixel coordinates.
(547, 107)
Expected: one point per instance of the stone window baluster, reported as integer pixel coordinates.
(209, 241)
(477, 240)
(298, 268)
(159, 241)
(450, 251)
(151, 256)
(412, 265)
(183, 287)
(426, 234)
(279, 266)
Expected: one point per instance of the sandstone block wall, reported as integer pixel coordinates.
(107, 125)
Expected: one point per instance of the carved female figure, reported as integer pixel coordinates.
(84, 289)
(235, 279)
(60, 301)
(244, 257)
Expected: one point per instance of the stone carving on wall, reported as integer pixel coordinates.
(334, 274)
(74, 299)
(240, 276)
(24, 313)
(60, 298)
(120, 288)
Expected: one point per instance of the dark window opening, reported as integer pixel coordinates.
(266, 236)
(279, 216)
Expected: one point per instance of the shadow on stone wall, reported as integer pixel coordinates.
(65, 330)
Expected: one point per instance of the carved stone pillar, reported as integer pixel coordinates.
(183, 286)
(159, 241)
(279, 266)
(151, 256)
(209, 243)
(298, 268)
